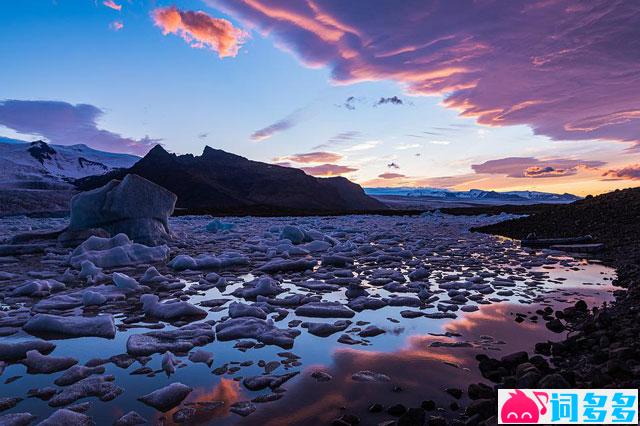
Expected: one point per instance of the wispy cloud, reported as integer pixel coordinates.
(67, 124)
(502, 63)
(279, 126)
(200, 30)
(391, 176)
(363, 146)
(116, 25)
(112, 5)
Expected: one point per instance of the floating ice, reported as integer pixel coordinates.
(40, 287)
(98, 326)
(169, 310)
(168, 397)
(116, 251)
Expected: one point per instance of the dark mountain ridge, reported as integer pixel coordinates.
(218, 182)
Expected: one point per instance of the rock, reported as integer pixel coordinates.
(454, 392)
(37, 363)
(397, 410)
(115, 252)
(553, 381)
(132, 418)
(17, 419)
(98, 326)
(64, 417)
(101, 387)
(555, 325)
(369, 376)
(168, 397)
(324, 310)
(16, 351)
(134, 206)
(170, 310)
(413, 417)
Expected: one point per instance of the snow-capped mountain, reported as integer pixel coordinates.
(38, 165)
(473, 195)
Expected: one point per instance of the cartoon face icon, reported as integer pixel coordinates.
(519, 408)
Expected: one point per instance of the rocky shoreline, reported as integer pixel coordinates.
(602, 349)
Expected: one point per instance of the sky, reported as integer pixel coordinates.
(503, 95)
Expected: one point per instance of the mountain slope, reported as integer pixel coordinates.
(223, 183)
(38, 165)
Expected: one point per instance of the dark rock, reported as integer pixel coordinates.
(397, 410)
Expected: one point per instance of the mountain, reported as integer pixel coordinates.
(222, 183)
(38, 165)
(476, 196)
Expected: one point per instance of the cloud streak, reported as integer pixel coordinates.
(327, 170)
(311, 157)
(112, 5)
(569, 70)
(200, 30)
(67, 124)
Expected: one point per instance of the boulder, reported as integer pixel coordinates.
(134, 206)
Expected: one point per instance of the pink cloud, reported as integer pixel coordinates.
(328, 170)
(200, 30)
(569, 70)
(312, 157)
(111, 4)
(391, 176)
(631, 172)
(116, 25)
(531, 167)
(67, 124)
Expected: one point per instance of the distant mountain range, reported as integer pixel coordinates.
(473, 195)
(223, 183)
(38, 165)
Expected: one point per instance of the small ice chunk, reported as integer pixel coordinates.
(37, 363)
(201, 356)
(168, 397)
(15, 351)
(124, 282)
(324, 310)
(237, 310)
(217, 225)
(116, 251)
(98, 326)
(101, 387)
(169, 310)
(37, 286)
(92, 298)
(64, 416)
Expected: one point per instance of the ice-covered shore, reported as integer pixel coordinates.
(253, 284)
